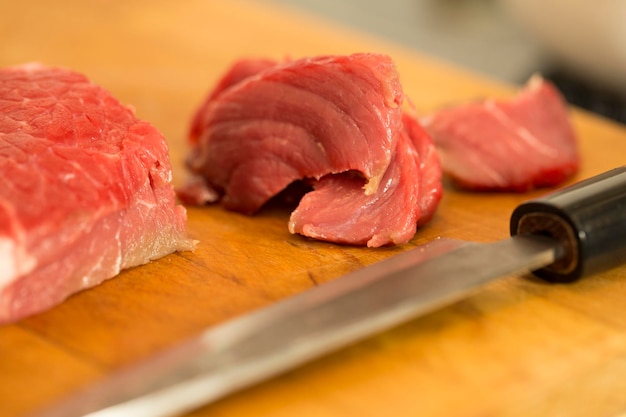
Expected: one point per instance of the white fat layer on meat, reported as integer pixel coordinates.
(118, 257)
(68, 177)
(103, 270)
(8, 269)
(13, 261)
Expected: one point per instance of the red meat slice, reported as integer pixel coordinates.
(301, 119)
(335, 122)
(85, 189)
(339, 211)
(508, 145)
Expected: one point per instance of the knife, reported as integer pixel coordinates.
(561, 237)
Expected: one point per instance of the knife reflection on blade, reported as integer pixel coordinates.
(561, 237)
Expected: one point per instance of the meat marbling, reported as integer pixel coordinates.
(86, 189)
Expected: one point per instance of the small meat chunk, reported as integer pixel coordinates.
(518, 144)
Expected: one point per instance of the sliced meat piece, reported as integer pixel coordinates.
(301, 119)
(339, 211)
(86, 189)
(508, 145)
(334, 122)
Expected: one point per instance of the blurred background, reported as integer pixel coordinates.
(578, 44)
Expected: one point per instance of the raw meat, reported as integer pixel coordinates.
(86, 189)
(238, 72)
(196, 190)
(339, 211)
(301, 119)
(507, 145)
(335, 122)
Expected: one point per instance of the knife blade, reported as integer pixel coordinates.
(561, 237)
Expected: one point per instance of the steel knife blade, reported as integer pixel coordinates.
(562, 237)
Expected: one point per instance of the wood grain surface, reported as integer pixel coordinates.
(518, 347)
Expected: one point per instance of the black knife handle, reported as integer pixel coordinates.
(588, 218)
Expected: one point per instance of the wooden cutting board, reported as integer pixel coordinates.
(516, 348)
